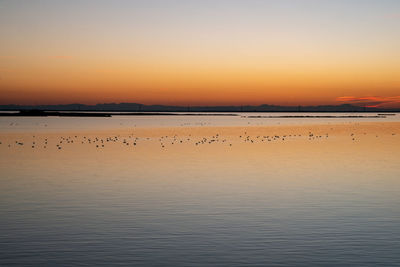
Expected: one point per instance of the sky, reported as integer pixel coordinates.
(205, 52)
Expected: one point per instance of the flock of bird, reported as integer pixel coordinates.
(132, 141)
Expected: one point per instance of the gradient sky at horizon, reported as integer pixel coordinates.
(288, 52)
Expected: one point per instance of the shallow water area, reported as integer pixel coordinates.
(283, 194)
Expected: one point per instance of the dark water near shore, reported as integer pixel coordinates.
(331, 199)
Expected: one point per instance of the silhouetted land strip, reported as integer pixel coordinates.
(317, 116)
(43, 113)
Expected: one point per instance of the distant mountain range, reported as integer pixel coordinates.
(135, 107)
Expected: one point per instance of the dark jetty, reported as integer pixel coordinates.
(317, 116)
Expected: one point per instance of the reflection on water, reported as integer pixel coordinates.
(312, 195)
(57, 124)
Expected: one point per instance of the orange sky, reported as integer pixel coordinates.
(198, 53)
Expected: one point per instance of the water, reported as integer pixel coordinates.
(57, 124)
(323, 193)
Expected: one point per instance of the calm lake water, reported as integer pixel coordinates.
(203, 190)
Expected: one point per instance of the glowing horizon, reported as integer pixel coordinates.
(200, 52)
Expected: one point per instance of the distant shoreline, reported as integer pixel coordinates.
(40, 113)
(44, 113)
(138, 108)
